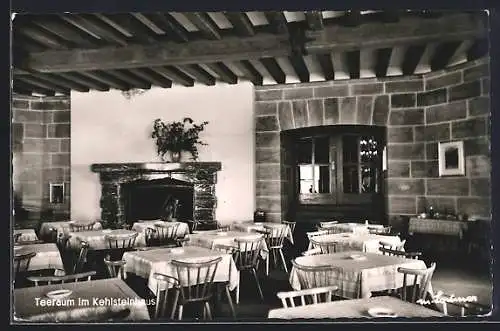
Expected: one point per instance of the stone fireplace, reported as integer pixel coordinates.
(133, 191)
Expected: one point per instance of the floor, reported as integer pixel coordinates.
(455, 275)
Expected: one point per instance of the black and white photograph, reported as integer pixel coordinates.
(253, 166)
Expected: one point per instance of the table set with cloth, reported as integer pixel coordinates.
(275, 227)
(358, 277)
(363, 242)
(438, 226)
(352, 227)
(141, 226)
(209, 239)
(47, 256)
(64, 227)
(144, 263)
(357, 308)
(26, 235)
(83, 304)
(96, 239)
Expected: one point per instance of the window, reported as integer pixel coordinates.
(313, 156)
(361, 155)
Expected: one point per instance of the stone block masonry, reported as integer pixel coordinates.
(418, 112)
(41, 140)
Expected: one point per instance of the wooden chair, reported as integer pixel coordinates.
(201, 225)
(223, 228)
(380, 231)
(274, 238)
(387, 245)
(21, 267)
(74, 278)
(165, 234)
(17, 236)
(307, 296)
(163, 285)
(327, 224)
(418, 289)
(79, 227)
(326, 247)
(196, 284)
(116, 269)
(316, 233)
(247, 256)
(120, 243)
(394, 252)
(291, 225)
(316, 276)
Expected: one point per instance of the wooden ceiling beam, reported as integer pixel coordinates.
(278, 21)
(224, 73)
(96, 27)
(107, 79)
(443, 54)
(153, 77)
(129, 77)
(168, 24)
(28, 89)
(162, 53)
(300, 68)
(409, 30)
(83, 80)
(175, 75)
(274, 69)
(45, 37)
(66, 30)
(133, 26)
(383, 57)
(43, 84)
(250, 72)
(325, 61)
(241, 23)
(60, 81)
(205, 24)
(478, 49)
(314, 20)
(198, 74)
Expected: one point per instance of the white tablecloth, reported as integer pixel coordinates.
(47, 256)
(113, 289)
(436, 226)
(145, 263)
(252, 227)
(26, 235)
(358, 228)
(360, 242)
(357, 308)
(141, 227)
(358, 278)
(96, 239)
(211, 238)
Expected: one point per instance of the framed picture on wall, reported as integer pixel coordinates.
(56, 192)
(451, 158)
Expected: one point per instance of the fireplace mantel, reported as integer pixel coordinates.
(202, 175)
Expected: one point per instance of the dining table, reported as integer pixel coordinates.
(361, 228)
(141, 226)
(357, 274)
(260, 226)
(26, 235)
(60, 227)
(47, 256)
(86, 301)
(96, 238)
(366, 308)
(364, 242)
(145, 262)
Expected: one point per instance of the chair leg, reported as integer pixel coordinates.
(267, 263)
(230, 301)
(238, 294)
(258, 284)
(207, 308)
(181, 308)
(283, 260)
(174, 307)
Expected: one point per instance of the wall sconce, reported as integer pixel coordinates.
(56, 193)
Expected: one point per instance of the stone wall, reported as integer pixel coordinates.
(418, 112)
(41, 155)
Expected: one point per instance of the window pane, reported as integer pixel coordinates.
(321, 150)
(305, 172)
(368, 179)
(304, 150)
(368, 149)
(350, 149)
(322, 177)
(306, 186)
(351, 182)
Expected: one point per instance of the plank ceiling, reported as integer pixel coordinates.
(54, 54)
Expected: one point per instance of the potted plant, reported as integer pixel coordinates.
(176, 137)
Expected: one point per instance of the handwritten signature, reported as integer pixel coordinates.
(440, 297)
